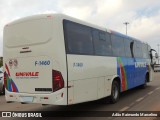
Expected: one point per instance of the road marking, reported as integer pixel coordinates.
(138, 100)
(124, 109)
(150, 93)
(157, 88)
(132, 104)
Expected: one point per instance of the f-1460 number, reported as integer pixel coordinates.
(42, 62)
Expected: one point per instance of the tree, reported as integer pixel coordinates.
(1, 61)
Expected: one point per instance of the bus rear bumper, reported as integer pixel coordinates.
(56, 98)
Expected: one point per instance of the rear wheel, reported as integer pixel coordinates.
(144, 85)
(146, 80)
(115, 92)
(3, 92)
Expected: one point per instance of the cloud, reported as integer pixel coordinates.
(82, 13)
(142, 16)
(147, 29)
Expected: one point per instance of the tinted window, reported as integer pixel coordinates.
(109, 44)
(127, 46)
(145, 52)
(78, 38)
(138, 49)
(102, 43)
(117, 45)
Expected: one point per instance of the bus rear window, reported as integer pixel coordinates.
(28, 32)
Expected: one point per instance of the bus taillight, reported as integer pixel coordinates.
(58, 82)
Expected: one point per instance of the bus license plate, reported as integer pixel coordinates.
(26, 99)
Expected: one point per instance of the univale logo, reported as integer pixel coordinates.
(27, 74)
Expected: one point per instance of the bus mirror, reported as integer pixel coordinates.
(156, 55)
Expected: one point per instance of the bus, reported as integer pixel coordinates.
(56, 59)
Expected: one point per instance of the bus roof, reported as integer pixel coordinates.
(62, 16)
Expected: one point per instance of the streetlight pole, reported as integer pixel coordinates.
(126, 23)
(158, 53)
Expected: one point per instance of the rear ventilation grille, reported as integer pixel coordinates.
(43, 89)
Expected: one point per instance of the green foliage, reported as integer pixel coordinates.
(1, 61)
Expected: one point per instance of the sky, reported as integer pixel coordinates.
(143, 16)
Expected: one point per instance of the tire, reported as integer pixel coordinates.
(145, 84)
(23, 103)
(115, 92)
(3, 92)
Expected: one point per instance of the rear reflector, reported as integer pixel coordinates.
(58, 82)
(49, 16)
(10, 95)
(45, 97)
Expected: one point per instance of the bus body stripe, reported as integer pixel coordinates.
(122, 74)
(10, 85)
(7, 70)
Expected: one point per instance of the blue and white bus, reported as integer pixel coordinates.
(60, 60)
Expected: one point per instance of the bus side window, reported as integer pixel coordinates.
(137, 49)
(117, 46)
(102, 44)
(144, 50)
(78, 38)
(127, 45)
